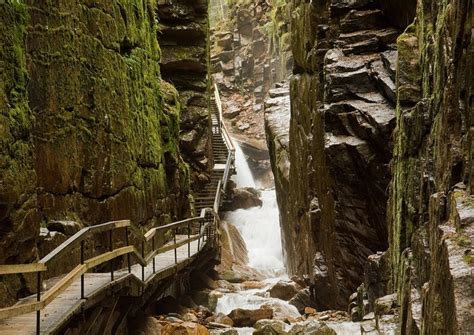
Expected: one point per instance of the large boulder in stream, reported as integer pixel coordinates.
(185, 328)
(283, 290)
(243, 198)
(248, 317)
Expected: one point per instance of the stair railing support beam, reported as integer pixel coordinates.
(175, 249)
(128, 255)
(153, 246)
(143, 256)
(111, 248)
(38, 299)
(189, 242)
(82, 276)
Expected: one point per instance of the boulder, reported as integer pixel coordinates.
(301, 300)
(243, 198)
(67, 228)
(248, 318)
(313, 328)
(265, 327)
(283, 290)
(224, 319)
(185, 328)
(206, 298)
(231, 331)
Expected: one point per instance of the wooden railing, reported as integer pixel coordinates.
(227, 140)
(206, 225)
(85, 265)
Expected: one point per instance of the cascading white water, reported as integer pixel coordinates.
(260, 229)
(244, 177)
(259, 226)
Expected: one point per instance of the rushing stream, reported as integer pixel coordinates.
(260, 229)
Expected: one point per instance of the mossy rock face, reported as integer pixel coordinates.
(19, 219)
(107, 139)
(184, 36)
(432, 161)
(89, 131)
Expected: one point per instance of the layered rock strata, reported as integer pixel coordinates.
(250, 52)
(184, 40)
(352, 86)
(342, 117)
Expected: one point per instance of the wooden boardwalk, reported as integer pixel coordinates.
(50, 310)
(69, 302)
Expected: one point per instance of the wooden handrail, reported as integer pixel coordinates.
(81, 235)
(224, 129)
(144, 260)
(9, 269)
(179, 224)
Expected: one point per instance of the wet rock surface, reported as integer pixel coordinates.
(242, 198)
(184, 37)
(333, 197)
(357, 78)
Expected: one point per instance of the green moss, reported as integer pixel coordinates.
(469, 258)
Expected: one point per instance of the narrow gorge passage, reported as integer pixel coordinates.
(226, 167)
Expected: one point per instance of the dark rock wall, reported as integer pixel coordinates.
(88, 126)
(184, 40)
(342, 116)
(19, 220)
(380, 150)
(430, 207)
(400, 12)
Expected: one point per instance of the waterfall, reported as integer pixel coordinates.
(259, 226)
(244, 177)
(260, 229)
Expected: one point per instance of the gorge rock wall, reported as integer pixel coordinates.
(342, 116)
(19, 218)
(250, 52)
(380, 155)
(184, 40)
(430, 215)
(90, 131)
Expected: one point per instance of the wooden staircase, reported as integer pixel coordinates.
(223, 154)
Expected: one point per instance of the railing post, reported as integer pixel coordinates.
(111, 248)
(38, 299)
(82, 276)
(175, 249)
(153, 246)
(199, 235)
(128, 255)
(189, 242)
(143, 256)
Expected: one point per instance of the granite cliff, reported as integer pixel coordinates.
(378, 159)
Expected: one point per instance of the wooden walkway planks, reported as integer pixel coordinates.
(69, 302)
